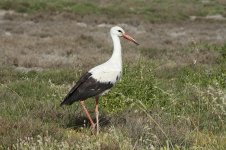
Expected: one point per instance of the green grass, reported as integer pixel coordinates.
(154, 11)
(185, 110)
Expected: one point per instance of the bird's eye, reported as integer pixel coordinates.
(119, 31)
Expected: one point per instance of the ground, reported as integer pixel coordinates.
(172, 94)
(58, 40)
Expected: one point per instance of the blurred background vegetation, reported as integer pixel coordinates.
(150, 10)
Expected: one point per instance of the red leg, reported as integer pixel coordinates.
(87, 113)
(97, 114)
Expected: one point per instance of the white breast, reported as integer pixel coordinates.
(106, 73)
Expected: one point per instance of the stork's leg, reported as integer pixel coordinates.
(87, 113)
(97, 114)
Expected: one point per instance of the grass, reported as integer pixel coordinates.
(147, 109)
(154, 11)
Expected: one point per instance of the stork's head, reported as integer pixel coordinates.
(118, 31)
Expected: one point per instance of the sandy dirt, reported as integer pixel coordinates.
(62, 40)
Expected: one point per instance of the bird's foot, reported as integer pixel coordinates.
(95, 129)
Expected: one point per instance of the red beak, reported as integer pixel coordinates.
(126, 36)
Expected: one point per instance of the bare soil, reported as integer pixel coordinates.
(65, 40)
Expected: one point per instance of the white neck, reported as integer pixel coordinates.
(116, 57)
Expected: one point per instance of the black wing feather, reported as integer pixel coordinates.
(67, 99)
(85, 87)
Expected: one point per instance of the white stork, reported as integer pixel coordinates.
(101, 78)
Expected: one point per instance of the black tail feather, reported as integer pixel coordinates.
(68, 101)
(74, 95)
